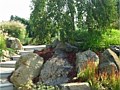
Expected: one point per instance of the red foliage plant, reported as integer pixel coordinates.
(45, 53)
(71, 57)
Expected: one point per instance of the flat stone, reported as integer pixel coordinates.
(39, 47)
(22, 52)
(10, 64)
(6, 86)
(5, 72)
(75, 86)
(16, 57)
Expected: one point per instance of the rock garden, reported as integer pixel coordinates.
(64, 45)
(61, 63)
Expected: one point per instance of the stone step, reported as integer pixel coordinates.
(8, 64)
(16, 57)
(6, 86)
(22, 52)
(75, 86)
(32, 48)
(5, 72)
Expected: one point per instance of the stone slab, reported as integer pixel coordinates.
(16, 57)
(25, 52)
(6, 86)
(9, 64)
(5, 72)
(75, 86)
(31, 47)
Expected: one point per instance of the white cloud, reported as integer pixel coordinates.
(14, 7)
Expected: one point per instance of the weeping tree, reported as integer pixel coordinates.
(52, 19)
(100, 14)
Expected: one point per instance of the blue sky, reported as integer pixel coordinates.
(19, 8)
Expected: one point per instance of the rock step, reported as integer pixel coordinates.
(5, 72)
(22, 52)
(6, 86)
(15, 58)
(8, 64)
(31, 47)
(75, 86)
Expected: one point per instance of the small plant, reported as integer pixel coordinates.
(2, 45)
(41, 86)
(99, 81)
(28, 86)
(88, 70)
(106, 81)
(2, 42)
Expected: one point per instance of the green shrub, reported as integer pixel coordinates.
(14, 29)
(97, 40)
(2, 42)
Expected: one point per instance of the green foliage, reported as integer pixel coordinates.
(14, 29)
(52, 19)
(99, 81)
(23, 21)
(87, 71)
(2, 42)
(2, 45)
(97, 40)
(98, 13)
(26, 86)
(41, 86)
(106, 81)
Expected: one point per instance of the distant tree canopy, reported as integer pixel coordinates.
(60, 18)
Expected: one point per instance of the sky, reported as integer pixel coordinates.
(19, 8)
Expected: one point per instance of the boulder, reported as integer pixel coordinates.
(55, 71)
(66, 47)
(60, 53)
(55, 42)
(84, 57)
(116, 49)
(70, 48)
(107, 67)
(108, 57)
(14, 43)
(27, 68)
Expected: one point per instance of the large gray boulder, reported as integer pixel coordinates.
(27, 68)
(55, 71)
(109, 58)
(84, 57)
